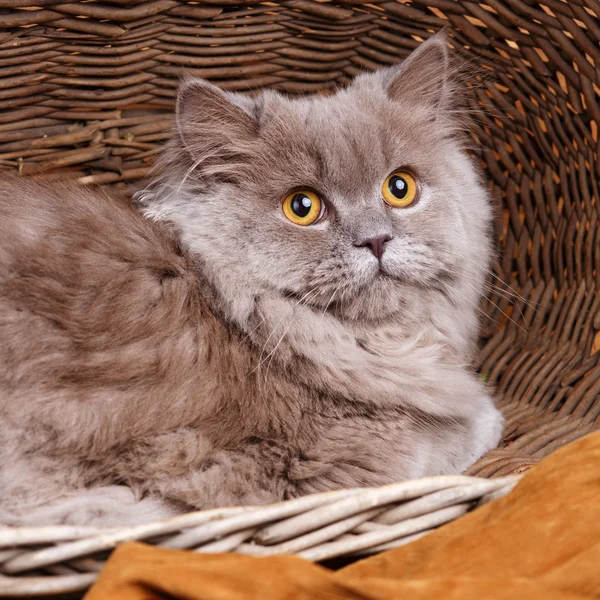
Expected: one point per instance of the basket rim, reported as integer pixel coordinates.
(315, 527)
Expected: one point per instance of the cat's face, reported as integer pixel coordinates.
(353, 202)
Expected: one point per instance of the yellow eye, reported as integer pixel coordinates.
(302, 207)
(400, 189)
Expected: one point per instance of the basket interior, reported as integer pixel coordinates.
(88, 88)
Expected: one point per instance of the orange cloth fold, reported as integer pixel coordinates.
(540, 541)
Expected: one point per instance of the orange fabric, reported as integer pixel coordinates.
(540, 541)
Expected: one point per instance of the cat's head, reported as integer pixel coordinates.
(352, 202)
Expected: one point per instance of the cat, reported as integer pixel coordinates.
(289, 307)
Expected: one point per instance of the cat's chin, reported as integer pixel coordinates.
(382, 300)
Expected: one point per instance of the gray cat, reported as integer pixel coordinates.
(291, 309)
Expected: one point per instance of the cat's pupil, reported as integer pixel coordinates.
(301, 205)
(398, 186)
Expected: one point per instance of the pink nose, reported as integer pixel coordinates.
(376, 244)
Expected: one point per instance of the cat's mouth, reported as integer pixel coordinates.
(383, 273)
(387, 276)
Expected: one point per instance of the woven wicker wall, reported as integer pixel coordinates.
(88, 88)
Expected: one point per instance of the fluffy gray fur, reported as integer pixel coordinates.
(211, 352)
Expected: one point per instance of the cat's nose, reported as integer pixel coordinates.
(376, 244)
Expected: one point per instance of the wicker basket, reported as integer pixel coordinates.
(87, 89)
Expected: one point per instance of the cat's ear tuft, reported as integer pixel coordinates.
(424, 76)
(206, 116)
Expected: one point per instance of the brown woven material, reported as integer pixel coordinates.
(89, 88)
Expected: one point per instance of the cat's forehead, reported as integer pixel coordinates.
(336, 124)
(345, 140)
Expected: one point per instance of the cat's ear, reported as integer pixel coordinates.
(423, 78)
(208, 118)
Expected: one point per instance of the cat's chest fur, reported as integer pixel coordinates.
(322, 402)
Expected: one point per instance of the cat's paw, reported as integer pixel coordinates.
(108, 506)
(487, 429)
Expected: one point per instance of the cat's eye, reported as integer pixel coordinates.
(400, 189)
(303, 207)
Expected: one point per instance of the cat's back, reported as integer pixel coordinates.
(79, 255)
(85, 282)
(38, 215)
